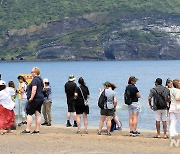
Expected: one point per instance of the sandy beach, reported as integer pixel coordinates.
(59, 139)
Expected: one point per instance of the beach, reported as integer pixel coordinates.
(59, 139)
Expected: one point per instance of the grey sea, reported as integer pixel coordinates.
(94, 74)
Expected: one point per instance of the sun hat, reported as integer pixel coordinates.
(72, 78)
(2, 83)
(45, 80)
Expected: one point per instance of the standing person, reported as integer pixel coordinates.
(7, 116)
(35, 100)
(81, 106)
(22, 91)
(174, 110)
(46, 110)
(160, 95)
(108, 111)
(169, 83)
(12, 85)
(133, 106)
(70, 88)
(115, 117)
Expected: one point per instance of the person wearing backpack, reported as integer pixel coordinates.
(131, 97)
(161, 98)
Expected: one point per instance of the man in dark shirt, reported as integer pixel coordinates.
(160, 113)
(70, 88)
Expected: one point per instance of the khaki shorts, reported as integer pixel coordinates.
(160, 115)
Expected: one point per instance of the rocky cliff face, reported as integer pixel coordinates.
(98, 36)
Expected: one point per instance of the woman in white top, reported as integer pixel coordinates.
(6, 107)
(22, 91)
(174, 110)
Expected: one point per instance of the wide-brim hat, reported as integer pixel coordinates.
(2, 83)
(71, 78)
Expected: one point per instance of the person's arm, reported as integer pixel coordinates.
(138, 95)
(115, 102)
(149, 100)
(177, 99)
(33, 93)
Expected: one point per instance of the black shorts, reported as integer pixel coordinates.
(80, 109)
(33, 106)
(107, 112)
(71, 107)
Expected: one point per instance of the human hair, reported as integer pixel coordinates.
(81, 81)
(132, 78)
(22, 78)
(36, 70)
(176, 83)
(113, 86)
(2, 87)
(11, 84)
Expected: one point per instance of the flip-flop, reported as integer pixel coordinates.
(157, 137)
(166, 137)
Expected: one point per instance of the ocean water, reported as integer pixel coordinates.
(94, 74)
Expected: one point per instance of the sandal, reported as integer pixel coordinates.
(166, 137)
(35, 132)
(78, 132)
(157, 137)
(25, 132)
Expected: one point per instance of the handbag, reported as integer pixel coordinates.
(85, 101)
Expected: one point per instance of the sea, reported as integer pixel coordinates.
(95, 73)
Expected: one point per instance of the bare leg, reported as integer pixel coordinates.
(164, 128)
(135, 121)
(131, 122)
(74, 116)
(38, 121)
(78, 119)
(29, 122)
(117, 121)
(68, 116)
(85, 121)
(158, 128)
(101, 123)
(109, 118)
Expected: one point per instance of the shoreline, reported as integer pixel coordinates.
(60, 139)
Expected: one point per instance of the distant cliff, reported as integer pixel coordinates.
(118, 35)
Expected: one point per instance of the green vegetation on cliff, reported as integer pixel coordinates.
(21, 14)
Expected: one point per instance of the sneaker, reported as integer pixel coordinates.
(24, 122)
(68, 125)
(25, 132)
(35, 132)
(136, 133)
(49, 124)
(45, 123)
(130, 133)
(75, 125)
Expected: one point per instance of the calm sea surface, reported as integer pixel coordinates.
(95, 73)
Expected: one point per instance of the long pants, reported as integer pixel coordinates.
(175, 118)
(23, 107)
(47, 112)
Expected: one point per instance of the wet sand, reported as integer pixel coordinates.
(59, 139)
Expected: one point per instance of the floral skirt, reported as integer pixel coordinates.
(6, 118)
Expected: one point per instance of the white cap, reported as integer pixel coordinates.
(2, 82)
(45, 80)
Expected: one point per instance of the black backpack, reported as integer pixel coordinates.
(160, 99)
(127, 97)
(102, 100)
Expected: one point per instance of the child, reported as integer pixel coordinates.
(6, 107)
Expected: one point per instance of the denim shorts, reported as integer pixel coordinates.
(134, 108)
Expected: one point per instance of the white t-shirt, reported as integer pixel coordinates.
(24, 86)
(5, 98)
(175, 93)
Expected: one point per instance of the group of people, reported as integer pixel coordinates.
(166, 101)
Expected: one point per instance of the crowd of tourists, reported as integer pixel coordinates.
(163, 100)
